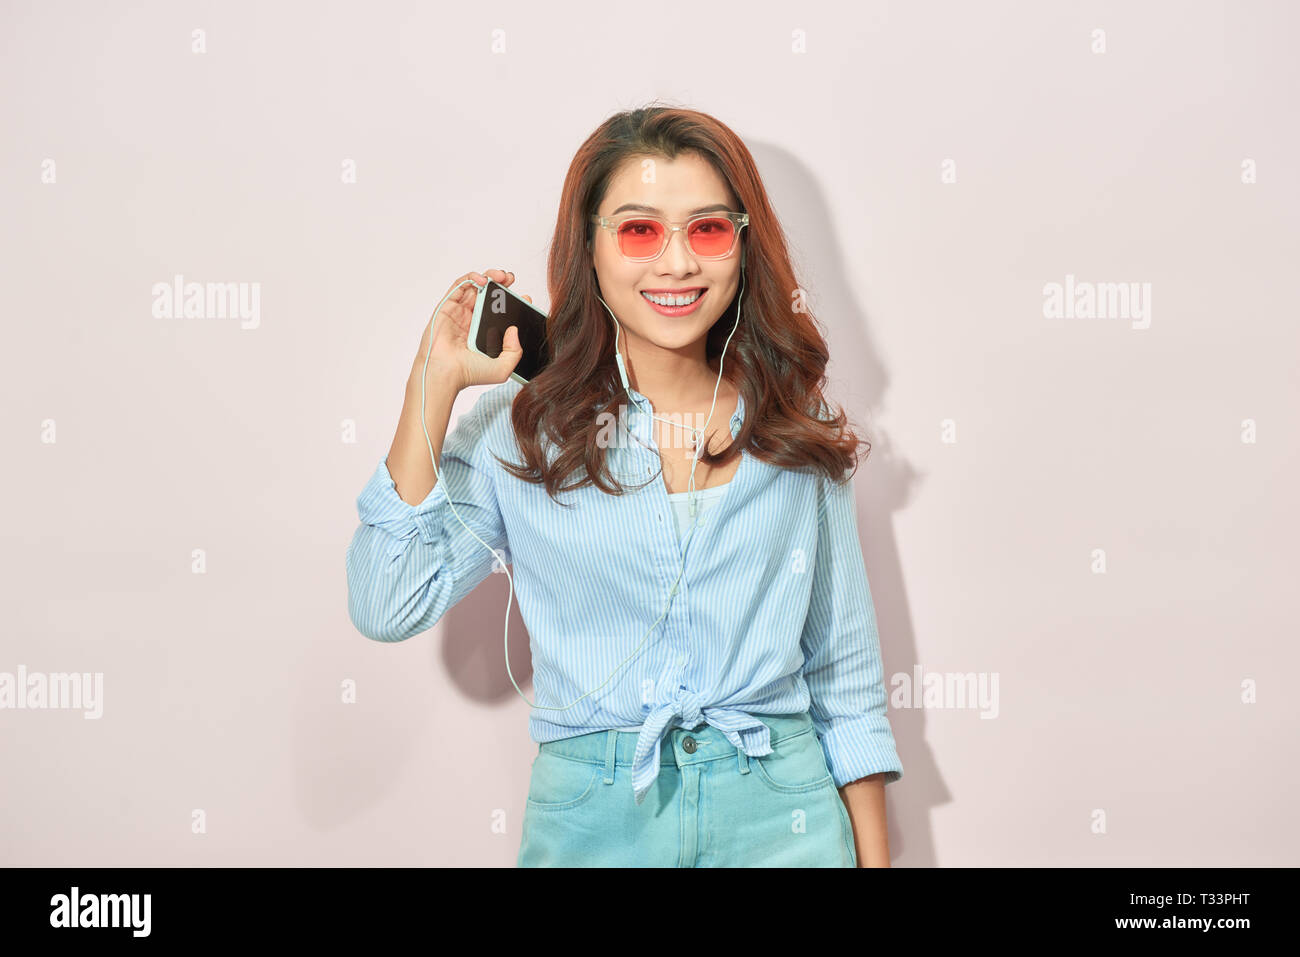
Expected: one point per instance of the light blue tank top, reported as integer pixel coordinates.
(681, 502)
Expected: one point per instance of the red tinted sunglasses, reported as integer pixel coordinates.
(642, 237)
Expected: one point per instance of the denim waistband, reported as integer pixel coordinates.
(709, 743)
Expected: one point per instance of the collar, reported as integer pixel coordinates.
(736, 420)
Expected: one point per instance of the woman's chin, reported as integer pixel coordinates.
(677, 334)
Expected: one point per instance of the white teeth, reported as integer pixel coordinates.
(673, 300)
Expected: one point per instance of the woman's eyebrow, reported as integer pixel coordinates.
(637, 207)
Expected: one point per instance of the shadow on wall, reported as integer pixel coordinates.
(472, 649)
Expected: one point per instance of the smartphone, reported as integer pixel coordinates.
(496, 309)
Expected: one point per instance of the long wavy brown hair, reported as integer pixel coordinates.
(776, 358)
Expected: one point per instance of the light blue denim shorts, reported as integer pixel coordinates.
(710, 806)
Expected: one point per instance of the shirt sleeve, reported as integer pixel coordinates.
(841, 646)
(408, 564)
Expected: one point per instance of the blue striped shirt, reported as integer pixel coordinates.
(773, 613)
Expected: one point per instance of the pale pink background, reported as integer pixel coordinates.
(1118, 692)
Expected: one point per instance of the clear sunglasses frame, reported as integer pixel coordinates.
(738, 221)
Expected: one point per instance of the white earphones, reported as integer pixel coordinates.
(622, 371)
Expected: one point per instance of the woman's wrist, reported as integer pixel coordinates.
(440, 379)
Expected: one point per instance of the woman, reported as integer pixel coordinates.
(719, 610)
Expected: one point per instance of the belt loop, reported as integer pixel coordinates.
(742, 761)
(611, 749)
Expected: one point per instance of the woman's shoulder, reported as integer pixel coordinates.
(486, 425)
(492, 405)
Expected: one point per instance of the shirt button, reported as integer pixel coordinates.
(688, 744)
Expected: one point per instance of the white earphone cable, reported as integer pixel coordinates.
(623, 375)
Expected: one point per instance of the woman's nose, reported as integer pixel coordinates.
(678, 254)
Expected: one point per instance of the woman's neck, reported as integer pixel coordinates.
(683, 386)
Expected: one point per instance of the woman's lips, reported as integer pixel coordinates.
(676, 310)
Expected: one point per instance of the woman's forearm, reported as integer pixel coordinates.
(408, 458)
(865, 800)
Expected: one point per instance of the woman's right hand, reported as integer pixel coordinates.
(452, 360)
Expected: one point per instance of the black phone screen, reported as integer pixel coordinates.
(501, 310)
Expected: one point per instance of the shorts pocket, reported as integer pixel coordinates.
(558, 783)
(797, 763)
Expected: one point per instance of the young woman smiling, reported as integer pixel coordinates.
(705, 655)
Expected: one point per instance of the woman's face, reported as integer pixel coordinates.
(678, 188)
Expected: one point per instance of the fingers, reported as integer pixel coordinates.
(510, 344)
(502, 276)
(463, 295)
